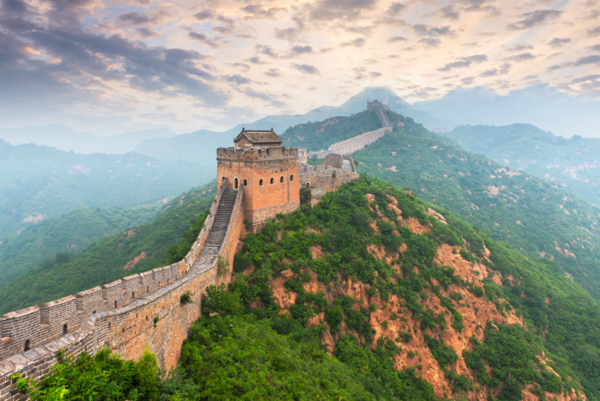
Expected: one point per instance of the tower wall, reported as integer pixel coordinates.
(249, 166)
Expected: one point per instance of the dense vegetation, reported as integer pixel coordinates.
(39, 182)
(246, 346)
(574, 163)
(70, 233)
(531, 214)
(105, 260)
(563, 320)
(316, 136)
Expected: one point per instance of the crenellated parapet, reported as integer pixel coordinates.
(126, 315)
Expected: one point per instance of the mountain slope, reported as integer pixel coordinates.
(388, 283)
(540, 105)
(63, 138)
(38, 182)
(533, 215)
(136, 250)
(574, 163)
(70, 233)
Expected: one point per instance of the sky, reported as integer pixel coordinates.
(106, 67)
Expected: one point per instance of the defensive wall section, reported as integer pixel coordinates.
(324, 178)
(142, 310)
(359, 142)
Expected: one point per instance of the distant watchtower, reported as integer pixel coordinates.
(264, 170)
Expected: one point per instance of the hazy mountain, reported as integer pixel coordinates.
(574, 163)
(64, 138)
(200, 145)
(540, 105)
(38, 182)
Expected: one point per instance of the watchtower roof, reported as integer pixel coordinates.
(259, 137)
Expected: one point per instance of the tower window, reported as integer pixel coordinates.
(223, 179)
(292, 177)
(236, 183)
(64, 329)
(132, 294)
(267, 150)
(272, 180)
(281, 179)
(260, 182)
(245, 183)
(27, 347)
(115, 304)
(259, 151)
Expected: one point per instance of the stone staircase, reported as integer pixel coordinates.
(217, 233)
(385, 122)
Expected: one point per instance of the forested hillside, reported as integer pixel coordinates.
(38, 182)
(70, 233)
(533, 215)
(573, 163)
(374, 294)
(136, 250)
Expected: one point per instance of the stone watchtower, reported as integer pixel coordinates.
(264, 170)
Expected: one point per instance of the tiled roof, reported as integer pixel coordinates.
(257, 136)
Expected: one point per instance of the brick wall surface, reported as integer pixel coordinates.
(126, 329)
(267, 176)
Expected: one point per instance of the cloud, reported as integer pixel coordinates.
(146, 33)
(449, 12)
(496, 71)
(14, 6)
(558, 42)
(595, 59)
(291, 33)
(307, 69)
(467, 81)
(266, 50)
(273, 72)
(397, 39)
(359, 42)
(340, 9)
(145, 18)
(594, 32)
(430, 42)
(464, 62)
(396, 8)
(534, 18)
(595, 48)
(302, 49)
(204, 15)
(212, 42)
(521, 57)
(255, 60)
(258, 11)
(237, 79)
(425, 30)
(519, 48)
(375, 74)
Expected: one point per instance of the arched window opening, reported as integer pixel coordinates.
(245, 183)
(27, 348)
(272, 180)
(259, 151)
(109, 325)
(281, 179)
(223, 179)
(64, 329)
(236, 183)
(93, 312)
(148, 288)
(260, 182)
(267, 151)
(132, 294)
(115, 304)
(292, 177)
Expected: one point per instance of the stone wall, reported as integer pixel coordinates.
(323, 179)
(358, 142)
(302, 155)
(93, 320)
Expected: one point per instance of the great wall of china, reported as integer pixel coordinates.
(259, 179)
(359, 142)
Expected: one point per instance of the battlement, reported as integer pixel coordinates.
(250, 154)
